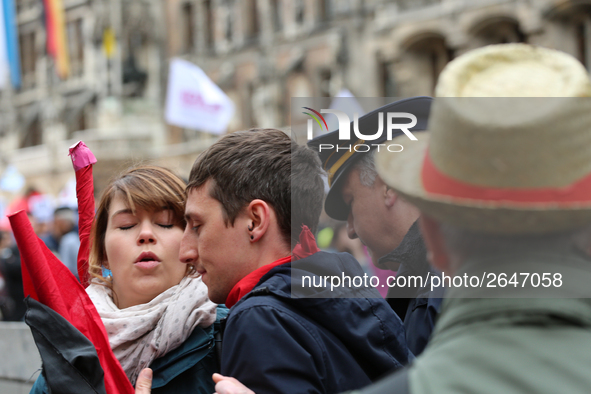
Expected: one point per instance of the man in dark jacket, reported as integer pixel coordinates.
(385, 223)
(249, 198)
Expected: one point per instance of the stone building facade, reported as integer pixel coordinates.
(263, 52)
(260, 52)
(111, 99)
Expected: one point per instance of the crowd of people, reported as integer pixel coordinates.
(59, 232)
(212, 285)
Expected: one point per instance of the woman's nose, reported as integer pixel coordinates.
(146, 234)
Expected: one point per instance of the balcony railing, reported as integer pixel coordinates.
(407, 5)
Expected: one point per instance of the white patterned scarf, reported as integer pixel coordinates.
(140, 334)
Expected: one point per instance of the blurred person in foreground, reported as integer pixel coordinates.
(375, 214)
(249, 197)
(503, 189)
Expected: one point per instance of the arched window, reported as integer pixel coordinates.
(496, 30)
(419, 67)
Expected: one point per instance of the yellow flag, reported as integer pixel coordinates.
(109, 42)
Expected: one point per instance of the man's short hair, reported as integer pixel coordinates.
(65, 213)
(367, 169)
(307, 190)
(257, 164)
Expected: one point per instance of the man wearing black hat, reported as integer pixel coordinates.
(375, 214)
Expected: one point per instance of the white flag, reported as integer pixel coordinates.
(193, 101)
(4, 67)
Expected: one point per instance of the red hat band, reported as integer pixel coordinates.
(436, 182)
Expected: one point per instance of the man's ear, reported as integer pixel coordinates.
(259, 214)
(437, 253)
(390, 197)
(389, 194)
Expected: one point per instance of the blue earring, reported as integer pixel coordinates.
(107, 273)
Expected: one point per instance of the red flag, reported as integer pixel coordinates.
(49, 29)
(57, 38)
(82, 160)
(85, 195)
(50, 282)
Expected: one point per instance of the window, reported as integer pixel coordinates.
(28, 59)
(209, 27)
(229, 23)
(299, 11)
(24, 5)
(323, 9)
(498, 31)
(75, 122)
(252, 19)
(574, 19)
(32, 133)
(583, 35)
(276, 14)
(387, 82)
(324, 85)
(188, 27)
(135, 64)
(76, 46)
(80, 113)
(420, 66)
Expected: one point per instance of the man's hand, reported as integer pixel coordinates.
(143, 385)
(226, 385)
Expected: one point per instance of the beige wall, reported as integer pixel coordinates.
(20, 363)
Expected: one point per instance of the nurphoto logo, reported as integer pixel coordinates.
(345, 128)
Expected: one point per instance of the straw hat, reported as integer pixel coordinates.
(508, 164)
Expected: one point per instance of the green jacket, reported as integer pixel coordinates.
(509, 345)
